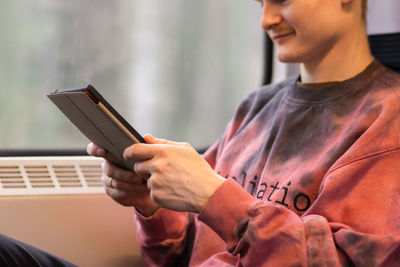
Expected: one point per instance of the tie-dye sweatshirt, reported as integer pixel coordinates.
(313, 179)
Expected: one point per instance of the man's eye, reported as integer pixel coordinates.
(273, 1)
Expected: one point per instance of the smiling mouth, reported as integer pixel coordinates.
(278, 37)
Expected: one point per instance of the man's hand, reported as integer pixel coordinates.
(125, 187)
(178, 177)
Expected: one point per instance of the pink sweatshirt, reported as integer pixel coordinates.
(313, 179)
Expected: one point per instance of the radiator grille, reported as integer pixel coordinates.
(50, 175)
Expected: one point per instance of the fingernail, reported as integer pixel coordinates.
(149, 137)
(127, 151)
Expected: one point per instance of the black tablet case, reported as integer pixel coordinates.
(98, 121)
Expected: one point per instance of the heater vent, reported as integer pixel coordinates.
(50, 175)
(11, 177)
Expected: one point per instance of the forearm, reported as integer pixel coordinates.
(262, 234)
(259, 233)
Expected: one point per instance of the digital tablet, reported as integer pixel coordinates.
(98, 121)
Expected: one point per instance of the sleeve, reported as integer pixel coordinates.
(166, 237)
(355, 220)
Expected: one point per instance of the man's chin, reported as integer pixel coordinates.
(288, 55)
(288, 58)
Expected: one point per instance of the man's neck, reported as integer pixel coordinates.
(349, 57)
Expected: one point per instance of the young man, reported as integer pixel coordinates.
(307, 172)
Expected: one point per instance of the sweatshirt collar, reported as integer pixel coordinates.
(302, 94)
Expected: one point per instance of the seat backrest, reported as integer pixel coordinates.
(383, 27)
(386, 48)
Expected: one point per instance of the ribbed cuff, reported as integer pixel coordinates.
(226, 212)
(163, 224)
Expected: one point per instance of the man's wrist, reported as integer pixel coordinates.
(147, 211)
(213, 186)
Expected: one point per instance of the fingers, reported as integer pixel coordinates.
(139, 151)
(124, 197)
(119, 174)
(154, 140)
(95, 150)
(112, 185)
(145, 168)
(152, 147)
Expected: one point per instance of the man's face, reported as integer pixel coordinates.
(303, 30)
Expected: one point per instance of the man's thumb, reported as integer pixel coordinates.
(153, 140)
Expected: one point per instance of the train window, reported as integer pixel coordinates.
(175, 69)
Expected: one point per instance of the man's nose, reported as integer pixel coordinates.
(271, 16)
